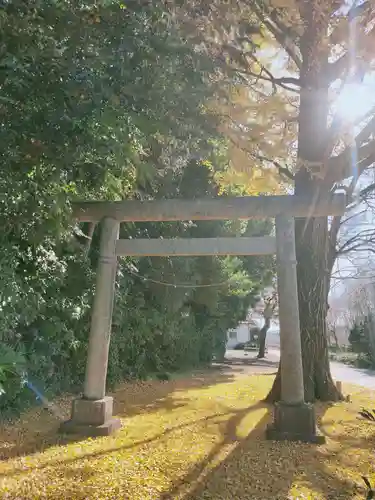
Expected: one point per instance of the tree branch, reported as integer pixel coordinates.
(336, 69)
(365, 163)
(367, 190)
(332, 240)
(240, 57)
(366, 132)
(281, 82)
(285, 30)
(362, 239)
(340, 167)
(282, 170)
(282, 37)
(357, 214)
(361, 246)
(339, 127)
(336, 225)
(358, 10)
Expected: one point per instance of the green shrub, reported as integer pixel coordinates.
(362, 339)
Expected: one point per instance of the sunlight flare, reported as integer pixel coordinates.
(355, 101)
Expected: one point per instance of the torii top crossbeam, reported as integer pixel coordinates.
(223, 208)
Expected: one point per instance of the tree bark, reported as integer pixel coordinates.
(313, 290)
(312, 244)
(262, 338)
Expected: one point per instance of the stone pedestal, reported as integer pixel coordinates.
(294, 422)
(92, 418)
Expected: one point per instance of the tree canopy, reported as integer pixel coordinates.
(108, 101)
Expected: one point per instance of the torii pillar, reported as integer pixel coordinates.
(92, 415)
(294, 419)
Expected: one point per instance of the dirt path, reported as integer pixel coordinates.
(240, 363)
(243, 363)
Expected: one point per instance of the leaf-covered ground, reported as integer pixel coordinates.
(200, 437)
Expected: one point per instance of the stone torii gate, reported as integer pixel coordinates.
(293, 418)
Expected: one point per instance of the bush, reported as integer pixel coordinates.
(362, 338)
(156, 329)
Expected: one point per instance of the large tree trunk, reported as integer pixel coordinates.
(262, 338)
(313, 271)
(313, 284)
(313, 281)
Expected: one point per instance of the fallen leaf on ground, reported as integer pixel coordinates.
(200, 437)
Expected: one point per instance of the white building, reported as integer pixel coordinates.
(255, 319)
(241, 334)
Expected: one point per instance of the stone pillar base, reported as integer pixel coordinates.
(91, 418)
(294, 423)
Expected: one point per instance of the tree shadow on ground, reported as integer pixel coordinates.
(38, 429)
(240, 466)
(229, 433)
(254, 362)
(108, 450)
(34, 435)
(257, 469)
(137, 398)
(359, 437)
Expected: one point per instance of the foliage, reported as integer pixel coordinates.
(361, 317)
(215, 421)
(104, 100)
(361, 336)
(11, 364)
(158, 327)
(173, 313)
(46, 317)
(113, 91)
